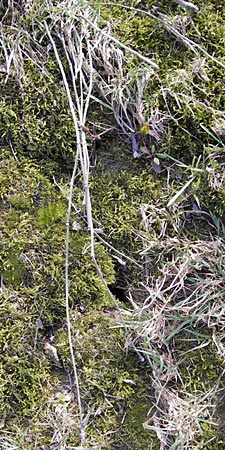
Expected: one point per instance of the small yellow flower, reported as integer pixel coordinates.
(145, 129)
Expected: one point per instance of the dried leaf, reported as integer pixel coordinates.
(39, 323)
(76, 226)
(51, 351)
(129, 382)
(54, 446)
(2, 422)
(156, 167)
(195, 207)
(136, 154)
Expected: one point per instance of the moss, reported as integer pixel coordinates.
(24, 371)
(35, 233)
(133, 433)
(200, 372)
(204, 369)
(210, 189)
(110, 382)
(118, 206)
(37, 122)
(13, 269)
(51, 213)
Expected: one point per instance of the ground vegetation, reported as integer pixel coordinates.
(112, 198)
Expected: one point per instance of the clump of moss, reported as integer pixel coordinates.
(117, 209)
(110, 382)
(25, 372)
(34, 244)
(37, 122)
(35, 232)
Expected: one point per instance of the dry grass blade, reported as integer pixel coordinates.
(179, 424)
(184, 296)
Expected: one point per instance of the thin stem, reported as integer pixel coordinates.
(82, 427)
(78, 153)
